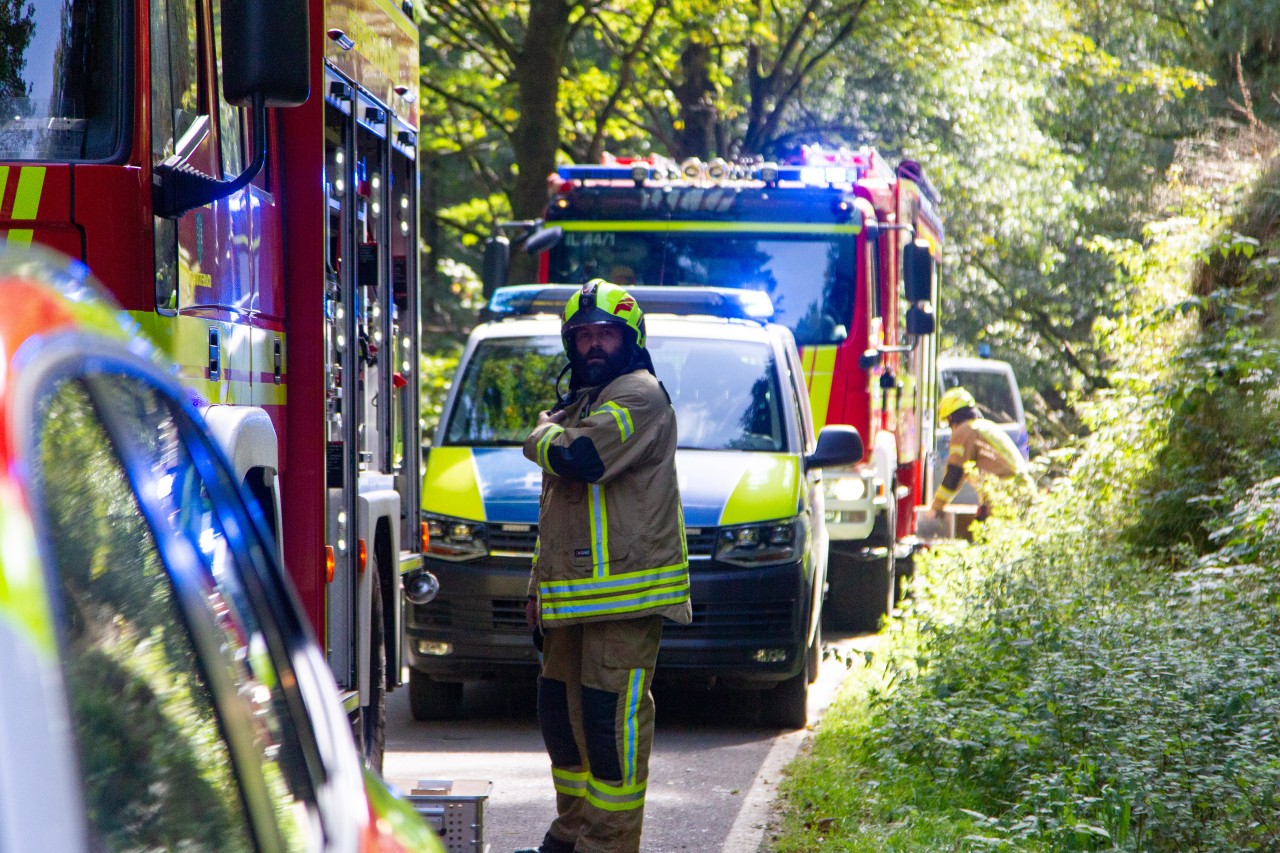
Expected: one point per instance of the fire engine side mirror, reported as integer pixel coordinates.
(266, 52)
(920, 320)
(497, 264)
(917, 271)
(543, 239)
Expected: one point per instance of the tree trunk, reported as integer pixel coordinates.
(697, 106)
(537, 134)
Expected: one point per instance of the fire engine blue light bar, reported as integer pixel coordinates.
(596, 173)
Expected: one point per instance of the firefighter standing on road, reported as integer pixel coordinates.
(980, 450)
(611, 564)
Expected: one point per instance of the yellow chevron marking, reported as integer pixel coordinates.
(30, 183)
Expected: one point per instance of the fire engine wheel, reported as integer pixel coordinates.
(434, 700)
(373, 717)
(787, 705)
(862, 581)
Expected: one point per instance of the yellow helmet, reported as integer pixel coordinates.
(601, 301)
(954, 399)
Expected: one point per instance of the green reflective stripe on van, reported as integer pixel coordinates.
(621, 415)
(451, 486)
(544, 445)
(570, 782)
(23, 601)
(769, 488)
(737, 226)
(599, 532)
(615, 798)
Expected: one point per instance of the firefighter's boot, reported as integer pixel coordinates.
(550, 844)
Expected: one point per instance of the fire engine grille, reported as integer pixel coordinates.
(762, 621)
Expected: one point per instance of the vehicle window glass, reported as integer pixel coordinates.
(230, 118)
(725, 393)
(810, 281)
(800, 397)
(175, 63)
(158, 773)
(990, 389)
(211, 529)
(506, 383)
(62, 81)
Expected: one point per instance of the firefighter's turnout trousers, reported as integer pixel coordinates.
(597, 714)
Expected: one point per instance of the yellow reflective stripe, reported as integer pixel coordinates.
(621, 415)
(26, 203)
(604, 606)
(630, 724)
(819, 366)
(943, 496)
(544, 445)
(599, 532)
(615, 798)
(718, 227)
(576, 587)
(570, 782)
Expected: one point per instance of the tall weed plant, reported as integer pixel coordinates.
(1103, 673)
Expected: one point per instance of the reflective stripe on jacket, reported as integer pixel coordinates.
(611, 538)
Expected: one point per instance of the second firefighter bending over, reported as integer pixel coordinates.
(980, 450)
(611, 564)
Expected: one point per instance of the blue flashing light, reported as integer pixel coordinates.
(724, 302)
(595, 173)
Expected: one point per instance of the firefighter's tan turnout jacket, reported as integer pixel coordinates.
(611, 540)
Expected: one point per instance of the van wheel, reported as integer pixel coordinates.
(787, 705)
(434, 700)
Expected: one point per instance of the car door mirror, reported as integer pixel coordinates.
(838, 445)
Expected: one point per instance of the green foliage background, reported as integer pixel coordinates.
(1102, 676)
(1044, 123)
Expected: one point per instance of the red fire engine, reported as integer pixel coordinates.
(243, 177)
(848, 249)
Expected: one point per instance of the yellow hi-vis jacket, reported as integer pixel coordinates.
(611, 541)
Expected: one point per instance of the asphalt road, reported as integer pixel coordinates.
(712, 774)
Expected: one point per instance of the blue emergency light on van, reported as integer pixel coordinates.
(726, 303)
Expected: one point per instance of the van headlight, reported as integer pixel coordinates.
(769, 543)
(455, 538)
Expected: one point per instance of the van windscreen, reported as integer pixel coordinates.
(725, 393)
